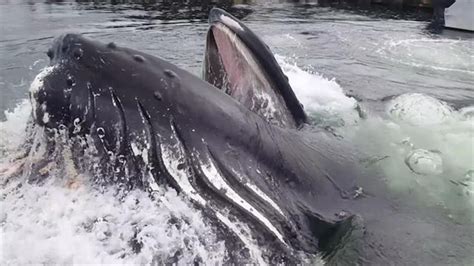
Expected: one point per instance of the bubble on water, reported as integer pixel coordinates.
(424, 162)
(419, 109)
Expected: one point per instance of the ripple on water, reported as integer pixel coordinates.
(437, 54)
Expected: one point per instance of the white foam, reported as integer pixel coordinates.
(38, 83)
(66, 223)
(467, 113)
(54, 224)
(320, 96)
(12, 130)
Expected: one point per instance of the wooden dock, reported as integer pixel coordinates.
(398, 3)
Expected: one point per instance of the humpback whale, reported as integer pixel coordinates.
(236, 145)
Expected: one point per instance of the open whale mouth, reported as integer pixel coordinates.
(241, 65)
(232, 65)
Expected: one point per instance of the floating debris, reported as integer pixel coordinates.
(358, 192)
(373, 160)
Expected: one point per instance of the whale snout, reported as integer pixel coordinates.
(59, 88)
(50, 102)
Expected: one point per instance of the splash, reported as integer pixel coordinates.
(323, 99)
(13, 129)
(66, 220)
(56, 224)
(427, 150)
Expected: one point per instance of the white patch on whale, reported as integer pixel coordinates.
(38, 84)
(77, 125)
(213, 175)
(135, 150)
(230, 22)
(172, 156)
(171, 161)
(244, 235)
(152, 183)
(46, 117)
(257, 191)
